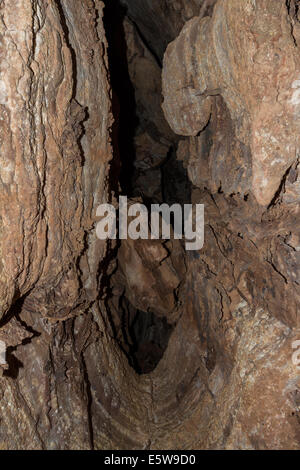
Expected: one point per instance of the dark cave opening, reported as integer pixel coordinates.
(165, 179)
(142, 335)
(144, 338)
(123, 98)
(144, 344)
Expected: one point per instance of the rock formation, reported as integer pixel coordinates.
(139, 344)
(248, 54)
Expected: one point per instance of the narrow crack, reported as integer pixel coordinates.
(293, 8)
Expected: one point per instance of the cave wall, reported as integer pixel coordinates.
(226, 378)
(55, 153)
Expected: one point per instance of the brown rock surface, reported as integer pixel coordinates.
(247, 53)
(139, 345)
(55, 150)
(161, 21)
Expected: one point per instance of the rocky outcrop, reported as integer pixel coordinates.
(248, 54)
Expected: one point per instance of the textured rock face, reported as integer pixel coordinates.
(222, 87)
(140, 345)
(55, 150)
(248, 54)
(49, 183)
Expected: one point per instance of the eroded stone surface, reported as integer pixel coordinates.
(55, 153)
(226, 379)
(247, 53)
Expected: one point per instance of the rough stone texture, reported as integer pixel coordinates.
(55, 150)
(247, 53)
(243, 288)
(219, 324)
(150, 275)
(51, 179)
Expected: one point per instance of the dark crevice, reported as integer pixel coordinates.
(14, 364)
(176, 186)
(145, 337)
(89, 400)
(150, 335)
(153, 52)
(142, 335)
(278, 193)
(65, 28)
(123, 97)
(293, 10)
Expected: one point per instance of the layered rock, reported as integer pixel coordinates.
(52, 175)
(55, 153)
(248, 54)
(248, 270)
(213, 366)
